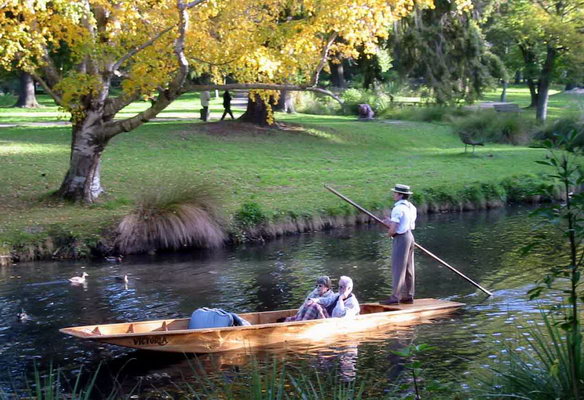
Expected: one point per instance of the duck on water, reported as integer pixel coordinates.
(78, 279)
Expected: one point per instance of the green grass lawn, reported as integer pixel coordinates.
(281, 170)
(559, 104)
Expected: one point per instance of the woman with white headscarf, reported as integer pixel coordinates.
(342, 304)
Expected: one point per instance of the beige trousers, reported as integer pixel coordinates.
(402, 267)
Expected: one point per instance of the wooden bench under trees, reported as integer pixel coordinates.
(507, 107)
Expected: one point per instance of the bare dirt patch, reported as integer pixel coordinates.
(237, 129)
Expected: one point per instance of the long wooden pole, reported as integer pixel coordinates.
(416, 244)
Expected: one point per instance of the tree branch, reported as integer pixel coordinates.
(263, 86)
(114, 105)
(48, 89)
(194, 3)
(136, 50)
(165, 97)
(323, 58)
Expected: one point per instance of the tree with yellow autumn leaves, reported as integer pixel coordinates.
(76, 48)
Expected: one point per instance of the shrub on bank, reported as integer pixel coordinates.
(432, 113)
(490, 126)
(311, 103)
(173, 217)
(378, 101)
(563, 127)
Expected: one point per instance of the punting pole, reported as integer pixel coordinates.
(415, 244)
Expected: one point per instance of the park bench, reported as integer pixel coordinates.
(469, 141)
(507, 107)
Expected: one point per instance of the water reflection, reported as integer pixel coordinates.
(483, 245)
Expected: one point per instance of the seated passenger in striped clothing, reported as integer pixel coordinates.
(321, 289)
(342, 304)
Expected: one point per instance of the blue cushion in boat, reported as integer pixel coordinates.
(210, 318)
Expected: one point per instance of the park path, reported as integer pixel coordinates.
(238, 103)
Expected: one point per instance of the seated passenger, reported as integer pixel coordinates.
(342, 304)
(321, 289)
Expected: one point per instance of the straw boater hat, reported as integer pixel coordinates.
(403, 189)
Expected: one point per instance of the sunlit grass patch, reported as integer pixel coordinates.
(10, 148)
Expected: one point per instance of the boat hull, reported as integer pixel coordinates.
(172, 335)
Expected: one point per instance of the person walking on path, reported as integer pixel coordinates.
(205, 98)
(227, 105)
(401, 223)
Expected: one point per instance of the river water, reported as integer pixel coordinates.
(485, 246)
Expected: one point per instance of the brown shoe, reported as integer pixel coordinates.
(389, 302)
(407, 301)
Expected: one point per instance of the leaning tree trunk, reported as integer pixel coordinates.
(256, 112)
(518, 77)
(338, 75)
(82, 182)
(285, 102)
(503, 98)
(26, 94)
(532, 92)
(543, 86)
(542, 102)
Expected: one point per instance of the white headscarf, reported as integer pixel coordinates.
(348, 283)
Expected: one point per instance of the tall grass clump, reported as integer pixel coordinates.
(173, 217)
(489, 126)
(278, 381)
(53, 385)
(337, 379)
(541, 371)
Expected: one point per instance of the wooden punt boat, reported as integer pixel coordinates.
(172, 335)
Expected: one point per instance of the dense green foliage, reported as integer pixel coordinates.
(446, 49)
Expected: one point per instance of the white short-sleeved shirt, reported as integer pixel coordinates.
(404, 215)
(205, 97)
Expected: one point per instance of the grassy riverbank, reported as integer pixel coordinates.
(281, 171)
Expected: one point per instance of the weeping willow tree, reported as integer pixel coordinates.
(445, 50)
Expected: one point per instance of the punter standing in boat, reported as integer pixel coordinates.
(401, 224)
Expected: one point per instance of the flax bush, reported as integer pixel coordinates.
(171, 217)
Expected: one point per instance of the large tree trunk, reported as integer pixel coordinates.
(82, 182)
(518, 77)
(544, 85)
(256, 112)
(338, 75)
(285, 102)
(542, 103)
(532, 92)
(503, 98)
(26, 93)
